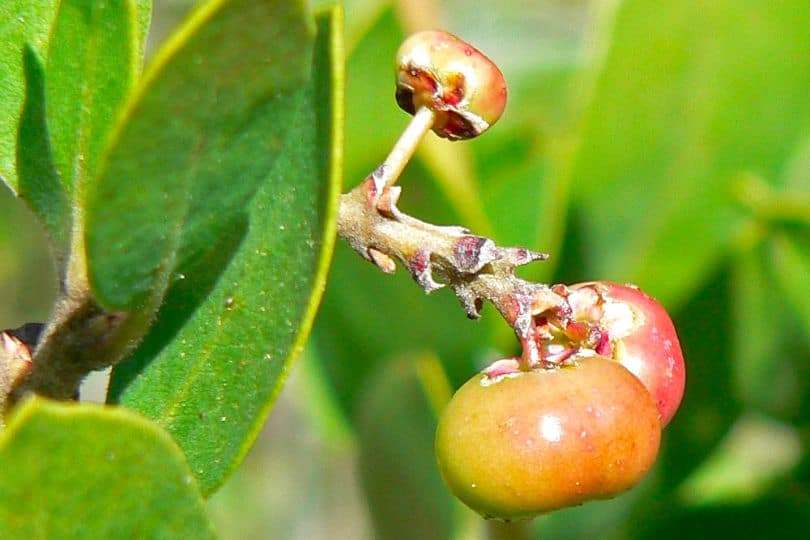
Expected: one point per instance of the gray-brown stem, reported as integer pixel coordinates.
(75, 342)
(474, 267)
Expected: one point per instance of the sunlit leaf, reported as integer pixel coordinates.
(87, 471)
(198, 136)
(212, 365)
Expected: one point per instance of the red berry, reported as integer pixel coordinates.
(519, 444)
(638, 333)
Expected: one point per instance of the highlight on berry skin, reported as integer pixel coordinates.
(531, 442)
(441, 72)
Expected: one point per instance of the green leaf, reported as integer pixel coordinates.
(764, 348)
(407, 498)
(87, 471)
(91, 66)
(194, 143)
(300, 473)
(221, 355)
(39, 183)
(376, 121)
(756, 456)
(690, 94)
(709, 406)
(21, 22)
(790, 260)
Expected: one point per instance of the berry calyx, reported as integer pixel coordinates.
(522, 443)
(626, 325)
(463, 88)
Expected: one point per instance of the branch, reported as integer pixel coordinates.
(474, 267)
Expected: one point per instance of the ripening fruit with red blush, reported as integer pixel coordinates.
(641, 336)
(529, 442)
(441, 72)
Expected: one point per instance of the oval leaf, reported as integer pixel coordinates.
(89, 72)
(218, 364)
(195, 141)
(87, 471)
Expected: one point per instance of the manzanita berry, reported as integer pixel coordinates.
(515, 445)
(638, 333)
(464, 88)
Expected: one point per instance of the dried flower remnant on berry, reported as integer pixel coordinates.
(465, 89)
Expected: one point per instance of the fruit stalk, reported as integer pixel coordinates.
(405, 146)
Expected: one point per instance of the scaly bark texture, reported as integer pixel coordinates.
(474, 267)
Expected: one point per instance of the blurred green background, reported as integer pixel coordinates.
(665, 143)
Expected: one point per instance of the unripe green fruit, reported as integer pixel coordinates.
(447, 75)
(530, 442)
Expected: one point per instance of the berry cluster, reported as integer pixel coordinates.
(578, 415)
(584, 424)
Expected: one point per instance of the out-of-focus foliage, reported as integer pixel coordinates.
(665, 143)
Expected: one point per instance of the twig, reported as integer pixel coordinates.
(474, 267)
